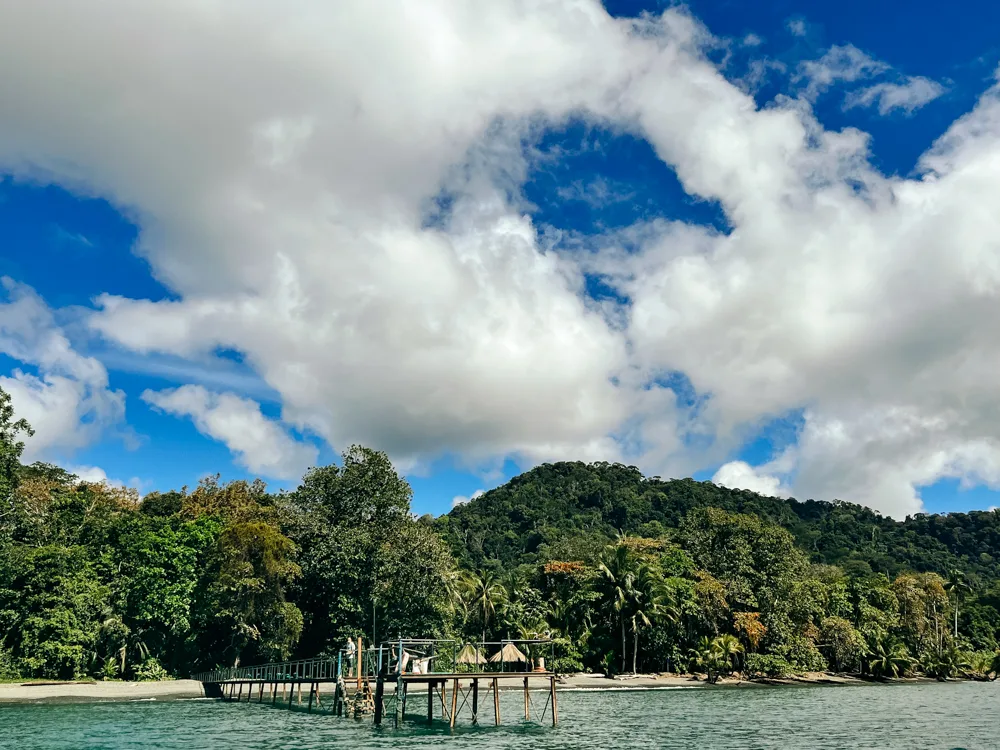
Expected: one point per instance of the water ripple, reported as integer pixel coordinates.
(864, 717)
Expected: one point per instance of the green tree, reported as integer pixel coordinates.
(618, 568)
(11, 448)
(52, 605)
(362, 555)
(889, 658)
(957, 586)
(485, 594)
(250, 570)
(710, 657)
(729, 649)
(842, 643)
(651, 600)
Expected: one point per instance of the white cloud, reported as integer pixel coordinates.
(462, 499)
(281, 182)
(740, 475)
(97, 475)
(845, 63)
(908, 96)
(797, 27)
(73, 238)
(260, 444)
(67, 399)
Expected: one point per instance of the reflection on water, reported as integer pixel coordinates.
(883, 717)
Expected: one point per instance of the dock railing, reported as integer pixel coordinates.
(428, 655)
(319, 668)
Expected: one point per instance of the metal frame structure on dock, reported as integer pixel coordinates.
(437, 668)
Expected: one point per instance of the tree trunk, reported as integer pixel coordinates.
(956, 616)
(635, 648)
(623, 643)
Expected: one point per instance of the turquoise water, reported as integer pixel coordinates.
(882, 717)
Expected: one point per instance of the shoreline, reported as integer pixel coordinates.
(100, 692)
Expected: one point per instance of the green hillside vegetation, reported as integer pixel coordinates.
(625, 573)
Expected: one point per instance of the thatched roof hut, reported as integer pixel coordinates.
(509, 653)
(470, 655)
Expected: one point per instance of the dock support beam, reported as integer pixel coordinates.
(360, 662)
(379, 692)
(555, 705)
(430, 701)
(527, 702)
(454, 701)
(496, 702)
(475, 701)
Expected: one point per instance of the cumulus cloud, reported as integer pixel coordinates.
(462, 499)
(909, 96)
(97, 475)
(282, 160)
(742, 476)
(67, 398)
(260, 444)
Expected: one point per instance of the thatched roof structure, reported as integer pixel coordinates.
(509, 652)
(470, 655)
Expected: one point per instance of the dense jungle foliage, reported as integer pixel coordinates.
(625, 573)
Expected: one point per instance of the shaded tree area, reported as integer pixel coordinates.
(625, 573)
(563, 508)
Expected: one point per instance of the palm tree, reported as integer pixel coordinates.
(729, 648)
(889, 658)
(485, 594)
(980, 665)
(708, 657)
(957, 585)
(453, 582)
(618, 569)
(942, 663)
(651, 601)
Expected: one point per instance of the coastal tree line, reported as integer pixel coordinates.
(625, 573)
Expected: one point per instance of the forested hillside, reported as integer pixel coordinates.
(624, 573)
(572, 509)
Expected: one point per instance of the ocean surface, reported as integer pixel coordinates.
(883, 717)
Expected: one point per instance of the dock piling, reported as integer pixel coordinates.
(379, 692)
(454, 702)
(390, 662)
(527, 702)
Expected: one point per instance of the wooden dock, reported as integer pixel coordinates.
(363, 688)
(465, 692)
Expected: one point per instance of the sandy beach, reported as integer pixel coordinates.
(100, 691)
(186, 689)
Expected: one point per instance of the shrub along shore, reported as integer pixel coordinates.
(627, 574)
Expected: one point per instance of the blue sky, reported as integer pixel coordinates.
(581, 181)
